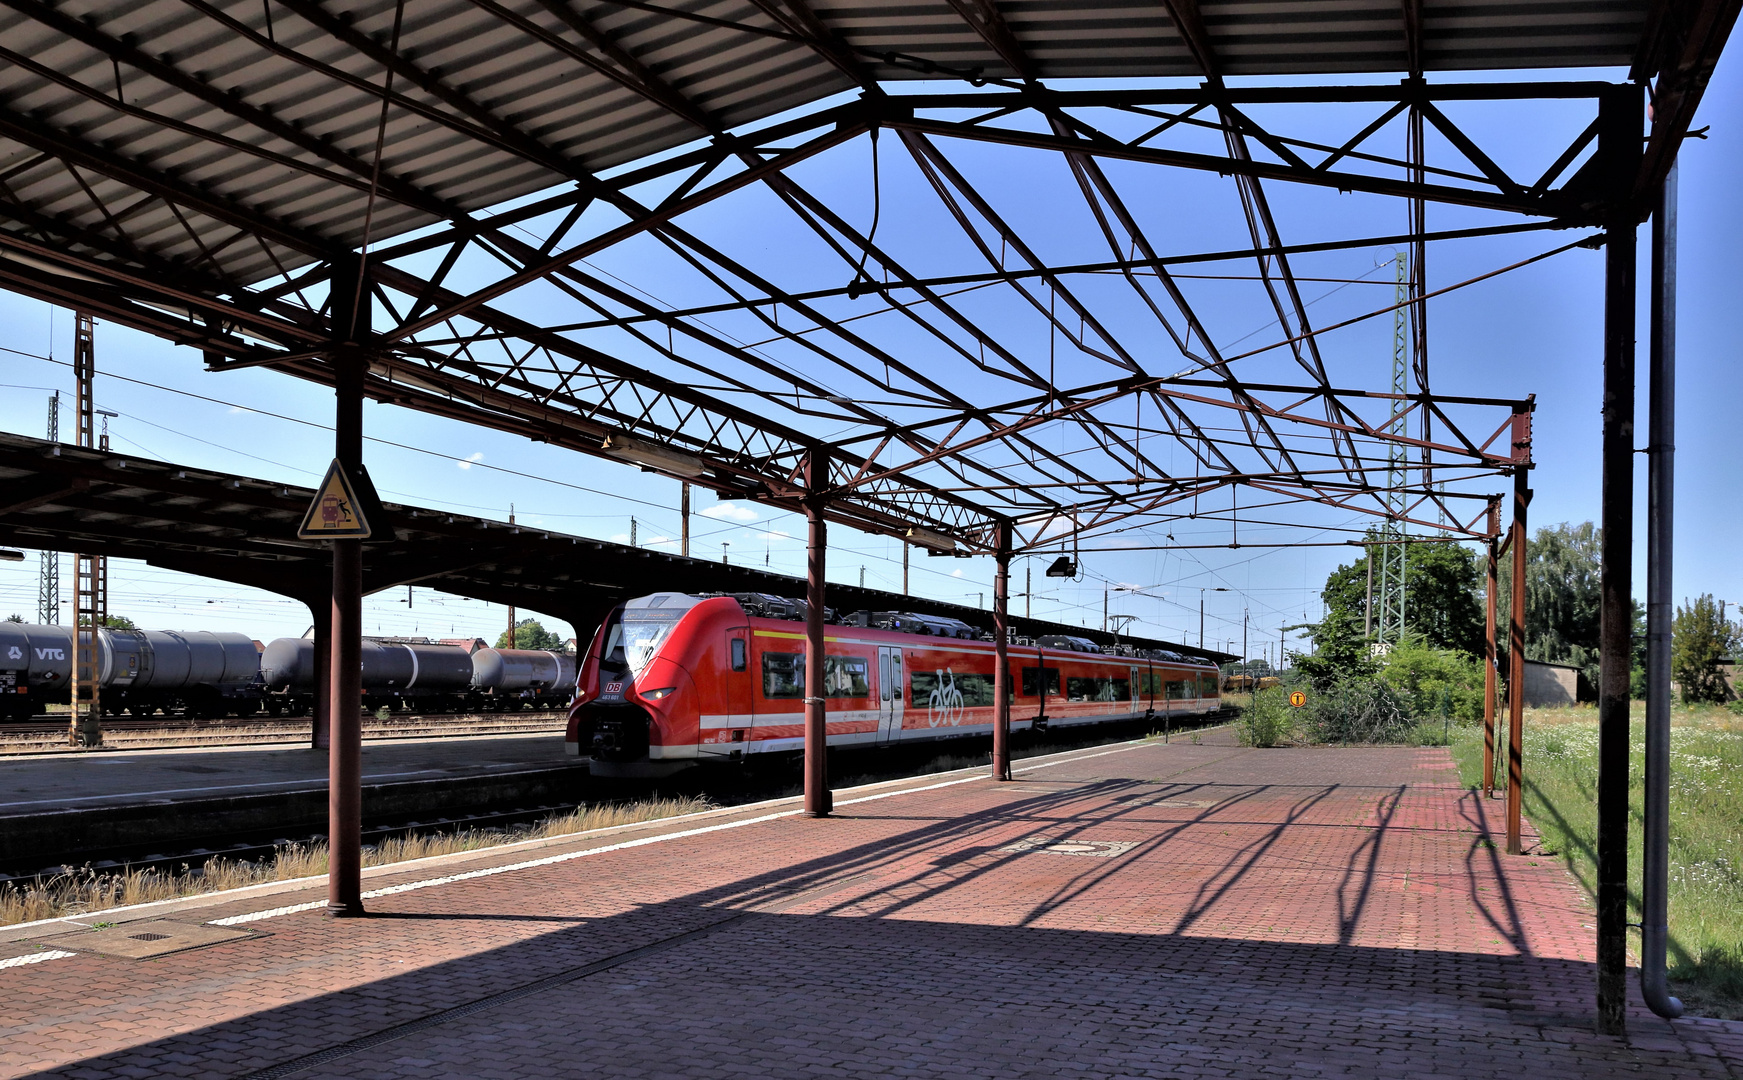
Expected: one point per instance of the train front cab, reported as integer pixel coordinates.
(659, 668)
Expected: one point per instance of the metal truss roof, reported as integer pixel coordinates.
(203, 170)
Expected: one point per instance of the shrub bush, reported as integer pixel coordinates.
(1268, 721)
(1436, 683)
(1359, 711)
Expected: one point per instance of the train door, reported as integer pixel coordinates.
(1137, 691)
(890, 694)
(738, 689)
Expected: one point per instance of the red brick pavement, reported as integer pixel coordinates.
(1268, 913)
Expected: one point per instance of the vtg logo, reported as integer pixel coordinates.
(15, 653)
(51, 654)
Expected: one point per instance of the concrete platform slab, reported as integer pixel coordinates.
(1277, 913)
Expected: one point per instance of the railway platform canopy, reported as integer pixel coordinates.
(216, 173)
(920, 269)
(242, 529)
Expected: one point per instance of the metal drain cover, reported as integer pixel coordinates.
(1095, 849)
(143, 940)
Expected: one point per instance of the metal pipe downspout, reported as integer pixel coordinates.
(1661, 454)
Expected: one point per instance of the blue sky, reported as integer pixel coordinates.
(1536, 330)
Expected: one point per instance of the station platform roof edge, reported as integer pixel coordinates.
(56, 497)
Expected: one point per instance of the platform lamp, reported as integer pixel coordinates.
(8, 555)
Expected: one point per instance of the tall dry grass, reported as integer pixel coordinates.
(87, 890)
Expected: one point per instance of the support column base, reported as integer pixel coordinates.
(345, 911)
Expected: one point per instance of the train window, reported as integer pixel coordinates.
(947, 690)
(1150, 684)
(643, 634)
(1181, 689)
(1099, 689)
(1032, 681)
(737, 654)
(845, 677)
(1207, 685)
(783, 675)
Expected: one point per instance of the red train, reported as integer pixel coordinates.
(673, 680)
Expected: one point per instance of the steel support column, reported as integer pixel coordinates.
(1660, 509)
(818, 802)
(1516, 664)
(1001, 656)
(1619, 152)
(1489, 660)
(345, 750)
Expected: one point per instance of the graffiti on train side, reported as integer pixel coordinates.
(944, 703)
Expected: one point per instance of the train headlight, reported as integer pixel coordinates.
(658, 695)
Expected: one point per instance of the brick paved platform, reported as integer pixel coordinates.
(1142, 910)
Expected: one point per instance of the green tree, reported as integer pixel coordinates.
(14, 618)
(1562, 598)
(111, 622)
(529, 634)
(1443, 589)
(1700, 642)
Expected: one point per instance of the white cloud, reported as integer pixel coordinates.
(239, 409)
(956, 573)
(620, 538)
(730, 511)
(467, 464)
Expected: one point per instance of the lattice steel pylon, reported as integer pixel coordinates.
(48, 590)
(1389, 626)
(90, 572)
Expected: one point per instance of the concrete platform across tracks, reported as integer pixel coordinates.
(59, 809)
(1141, 909)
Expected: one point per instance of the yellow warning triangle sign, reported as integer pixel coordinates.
(335, 512)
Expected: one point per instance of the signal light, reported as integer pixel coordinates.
(1063, 566)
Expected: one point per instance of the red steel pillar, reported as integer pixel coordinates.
(1489, 657)
(345, 750)
(1619, 143)
(818, 801)
(1001, 656)
(1516, 664)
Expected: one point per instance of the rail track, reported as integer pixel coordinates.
(47, 734)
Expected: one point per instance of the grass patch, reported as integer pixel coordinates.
(1706, 807)
(77, 892)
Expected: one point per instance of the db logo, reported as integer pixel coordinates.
(1297, 698)
(614, 688)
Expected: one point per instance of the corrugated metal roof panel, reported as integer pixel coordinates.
(491, 110)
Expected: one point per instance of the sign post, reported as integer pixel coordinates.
(337, 515)
(1298, 698)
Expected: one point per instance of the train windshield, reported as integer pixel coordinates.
(646, 625)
